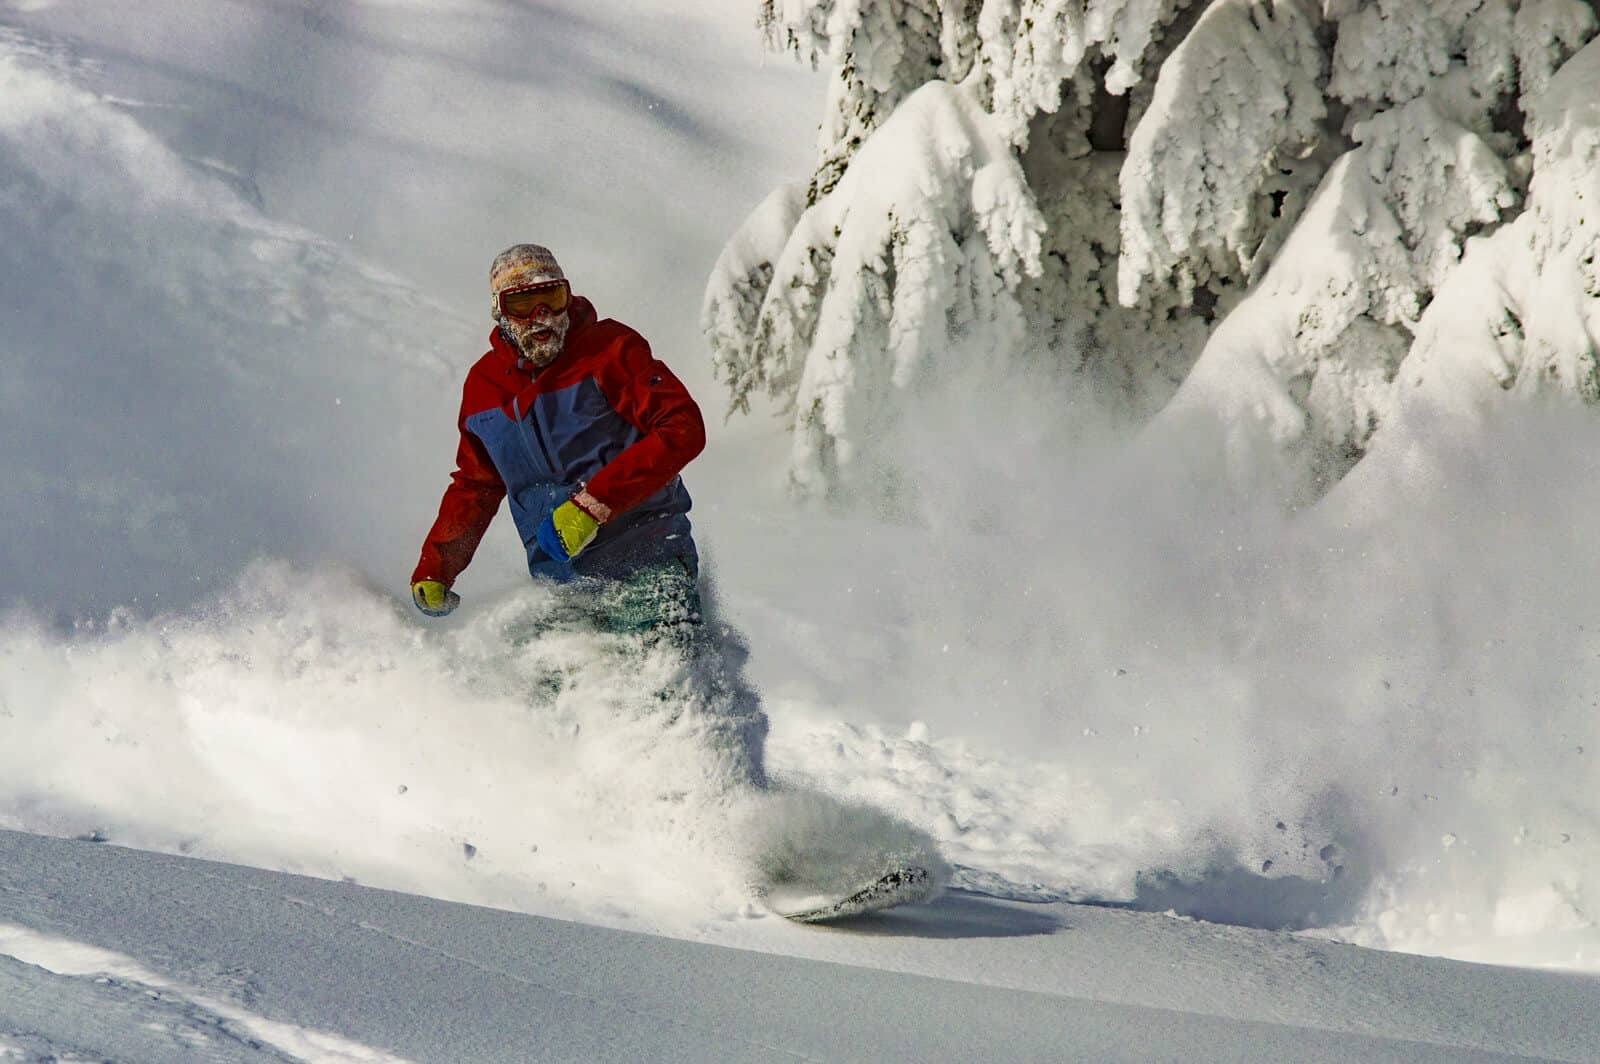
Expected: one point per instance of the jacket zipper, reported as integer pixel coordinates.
(538, 437)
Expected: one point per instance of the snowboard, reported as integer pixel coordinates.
(899, 887)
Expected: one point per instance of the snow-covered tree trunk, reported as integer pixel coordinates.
(1255, 200)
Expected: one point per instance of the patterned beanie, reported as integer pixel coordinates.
(518, 265)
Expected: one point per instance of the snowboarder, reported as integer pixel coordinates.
(574, 420)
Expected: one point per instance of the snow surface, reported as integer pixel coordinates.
(240, 279)
(333, 972)
(63, 957)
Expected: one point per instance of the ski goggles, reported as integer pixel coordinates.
(524, 301)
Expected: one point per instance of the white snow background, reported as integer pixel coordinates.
(240, 279)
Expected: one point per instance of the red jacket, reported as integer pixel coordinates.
(605, 415)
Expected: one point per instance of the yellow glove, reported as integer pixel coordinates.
(433, 598)
(566, 531)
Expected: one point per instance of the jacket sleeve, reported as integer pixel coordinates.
(647, 395)
(469, 504)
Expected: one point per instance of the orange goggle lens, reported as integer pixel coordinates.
(523, 302)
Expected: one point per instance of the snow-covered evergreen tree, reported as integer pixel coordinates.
(1522, 312)
(1239, 206)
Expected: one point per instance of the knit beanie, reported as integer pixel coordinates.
(518, 265)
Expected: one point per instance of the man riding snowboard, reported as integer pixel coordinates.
(574, 421)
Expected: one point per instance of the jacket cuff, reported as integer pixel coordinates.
(592, 506)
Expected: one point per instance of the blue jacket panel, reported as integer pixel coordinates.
(548, 451)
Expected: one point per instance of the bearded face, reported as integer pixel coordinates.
(539, 339)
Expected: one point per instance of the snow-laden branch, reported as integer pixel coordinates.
(1545, 33)
(1522, 314)
(741, 358)
(1390, 51)
(1032, 49)
(930, 231)
(1025, 52)
(1311, 354)
(875, 36)
(1240, 93)
(884, 49)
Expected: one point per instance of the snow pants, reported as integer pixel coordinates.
(653, 600)
(657, 612)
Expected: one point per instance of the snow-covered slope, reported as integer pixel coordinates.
(240, 276)
(333, 972)
(187, 382)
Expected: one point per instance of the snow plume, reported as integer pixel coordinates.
(806, 846)
(515, 759)
(1103, 671)
(872, 277)
(1489, 682)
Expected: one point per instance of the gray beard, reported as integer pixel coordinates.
(540, 354)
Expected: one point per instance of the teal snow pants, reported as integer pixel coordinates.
(652, 600)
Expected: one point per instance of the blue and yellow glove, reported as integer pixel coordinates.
(433, 598)
(567, 530)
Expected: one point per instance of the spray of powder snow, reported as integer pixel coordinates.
(248, 380)
(1111, 671)
(515, 758)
